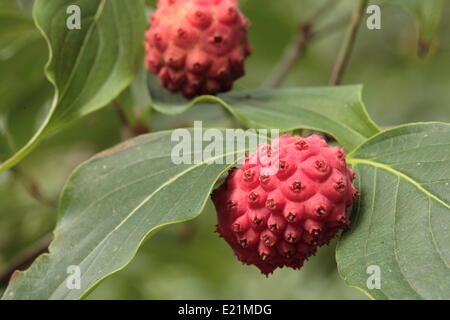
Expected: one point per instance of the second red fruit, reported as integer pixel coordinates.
(197, 46)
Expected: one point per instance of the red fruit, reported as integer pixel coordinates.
(280, 217)
(197, 46)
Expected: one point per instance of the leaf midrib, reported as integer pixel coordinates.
(86, 39)
(356, 161)
(99, 12)
(269, 112)
(165, 184)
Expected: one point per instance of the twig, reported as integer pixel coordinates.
(187, 231)
(295, 50)
(332, 27)
(325, 7)
(133, 129)
(34, 189)
(292, 53)
(346, 49)
(24, 261)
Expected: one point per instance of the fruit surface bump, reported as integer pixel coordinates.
(197, 46)
(285, 201)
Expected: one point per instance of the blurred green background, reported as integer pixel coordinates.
(189, 261)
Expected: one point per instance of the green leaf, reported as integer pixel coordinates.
(88, 67)
(22, 77)
(25, 92)
(13, 26)
(111, 204)
(401, 221)
(337, 111)
(23, 53)
(9, 6)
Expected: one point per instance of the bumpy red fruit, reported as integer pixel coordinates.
(197, 46)
(285, 201)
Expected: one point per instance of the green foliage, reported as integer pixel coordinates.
(135, 101)
(338, 111)
(21, 56)
(427, 15)
(116, 200)
(13, 25)
(400, 222)
(151, 192)
(88, 67)
(153, 185)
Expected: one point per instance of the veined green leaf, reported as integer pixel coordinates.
(112, 203)
(401, 222)
(338, 111)
(88, 67)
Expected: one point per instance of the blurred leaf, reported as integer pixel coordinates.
(90, 66)
(112, 203)
(338, 111)
(22, 77)
(23, 53)
(28, 115)
(135, 100)
(25, 92)
(5, 146)
(401, 221)
(427, 14)
(9, 5)
(13, 26)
